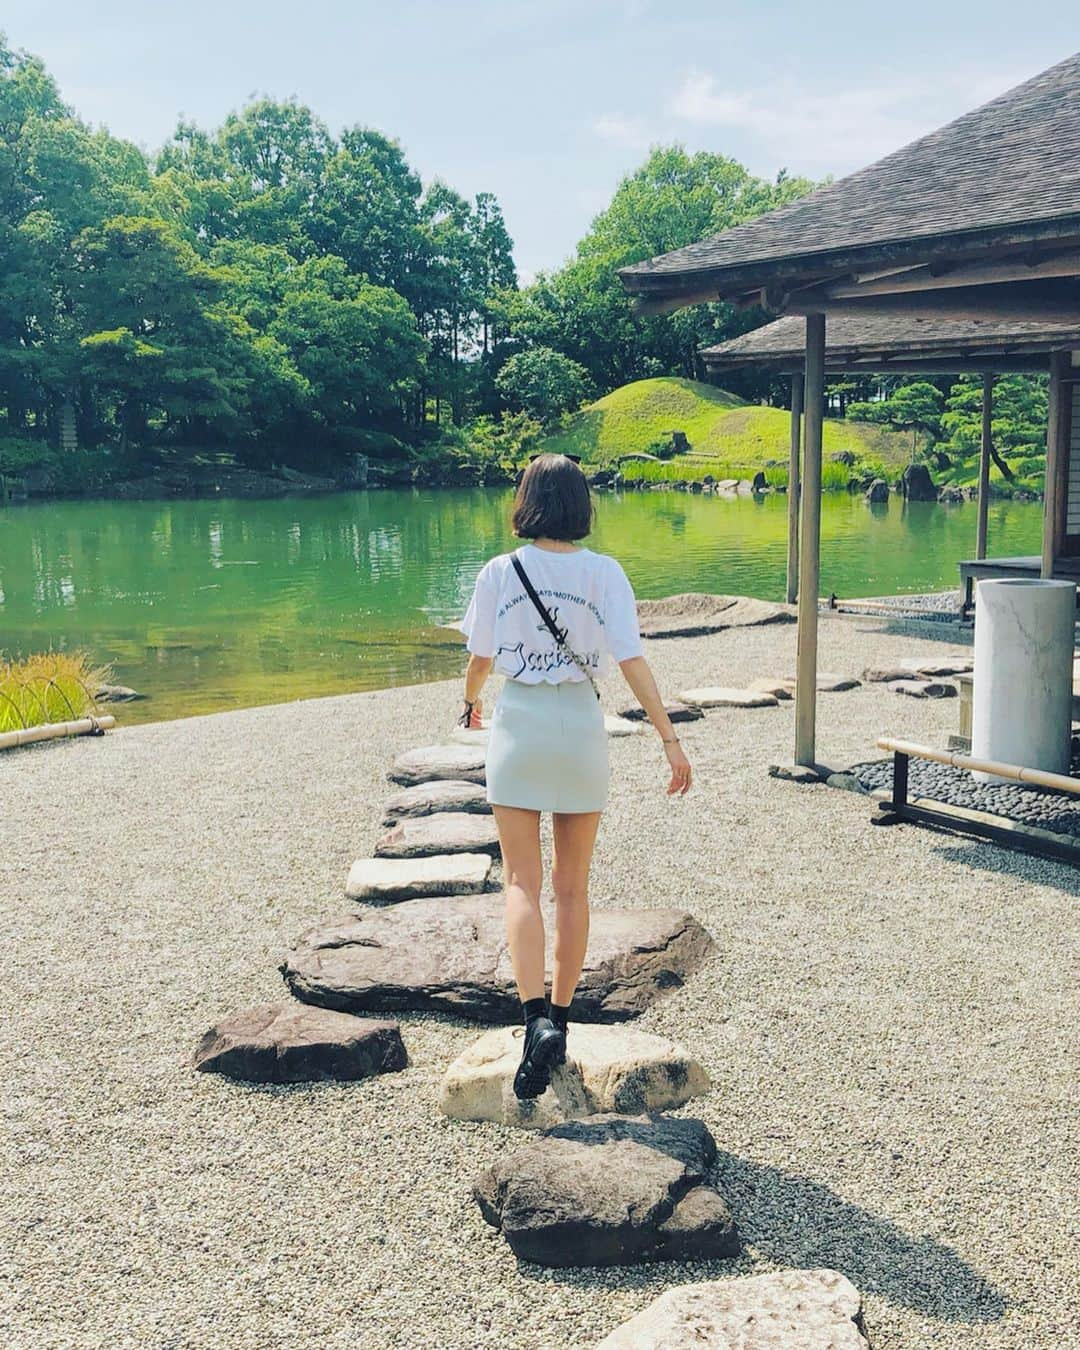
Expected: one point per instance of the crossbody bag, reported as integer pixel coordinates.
(552, 626)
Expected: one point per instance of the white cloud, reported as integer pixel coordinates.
(836, 131)
(626, 131)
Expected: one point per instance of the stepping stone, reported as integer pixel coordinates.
(788, 1310)
(695, 613)
(292, 1042)
(926, 666)
(827, 683)
(720, 696)
(614, 1068)
(609, 1191)
(621, 726)
(428, 799)
(794, 773)
(885, 674)
(470, 736)
(921, 688)
(782, 690)
(450, 955)
(678, 712)
(447, 832)
(387, 880)
(438, 761)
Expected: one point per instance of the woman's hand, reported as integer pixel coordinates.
(471, 715)
(680, 769)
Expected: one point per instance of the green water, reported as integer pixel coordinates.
(207, 605)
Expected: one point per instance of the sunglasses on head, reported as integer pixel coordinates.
(575, 459)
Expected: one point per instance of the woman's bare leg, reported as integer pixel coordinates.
(574, 837)
(523, 874)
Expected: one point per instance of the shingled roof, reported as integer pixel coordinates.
(1010, 168)
(885, 340)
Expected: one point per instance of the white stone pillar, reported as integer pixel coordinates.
(1022, 704)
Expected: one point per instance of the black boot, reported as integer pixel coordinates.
(559, 1016)
(545, 1045)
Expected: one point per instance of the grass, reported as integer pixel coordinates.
(1029, 475)
(728, 438)
(51, 687)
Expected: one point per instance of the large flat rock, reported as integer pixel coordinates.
(475, 736)
(446, 832)
(433, 762)
(934, 667)
(388, 880)
(621, 726)
(677, 712)
(695, 613)
(611, 1190)
(428, 799)
(290, 1042)
(723, 696)
(612, 1068)
(827, 683)
(451, 955)
(788, 1310)
(781, 689)
(916, 688)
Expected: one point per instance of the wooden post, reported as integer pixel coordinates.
(793, 489)
(984, 464)
(810, 544)
(1055, 493)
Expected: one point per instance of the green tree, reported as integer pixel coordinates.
(152, 329)
(1018, 419)
(542, 383)
(674, 199)
(355, 346)
(917, 406)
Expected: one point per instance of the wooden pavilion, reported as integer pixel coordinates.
(977, 222)
(884, 343)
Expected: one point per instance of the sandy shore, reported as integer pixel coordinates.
(887, 1025)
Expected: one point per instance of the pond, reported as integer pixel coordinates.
(208, 605)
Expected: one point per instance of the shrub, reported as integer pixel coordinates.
(50, 687)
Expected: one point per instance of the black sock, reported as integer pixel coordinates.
(558, 1015)
(533, 1007)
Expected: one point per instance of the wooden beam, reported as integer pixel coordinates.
(1000, 303)
(1056, 491)
(969, 274)
(669, 303)
(810, 544)
(794, 476)
(788, 363)
(984, 464)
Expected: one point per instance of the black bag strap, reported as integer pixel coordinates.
(552, 627)
(541, 608)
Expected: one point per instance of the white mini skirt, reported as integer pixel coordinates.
(547, 748)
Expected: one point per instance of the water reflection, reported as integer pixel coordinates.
(208, 605)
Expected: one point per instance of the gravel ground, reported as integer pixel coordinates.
(887, 1024)
(931, 604)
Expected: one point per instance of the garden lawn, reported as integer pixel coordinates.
(735, 437)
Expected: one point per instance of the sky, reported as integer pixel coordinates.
(548, 103)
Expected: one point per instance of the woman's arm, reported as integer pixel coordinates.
(639, 677)
(476, 673)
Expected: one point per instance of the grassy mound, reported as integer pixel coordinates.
(728, 438)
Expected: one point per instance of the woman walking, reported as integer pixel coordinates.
(548, 616)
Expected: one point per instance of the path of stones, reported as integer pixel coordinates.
(607, 1178)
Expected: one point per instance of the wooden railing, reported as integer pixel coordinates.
(900, 806)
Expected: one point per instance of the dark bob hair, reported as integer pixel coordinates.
(553, 501)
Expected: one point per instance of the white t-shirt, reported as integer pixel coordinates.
(587, 595)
